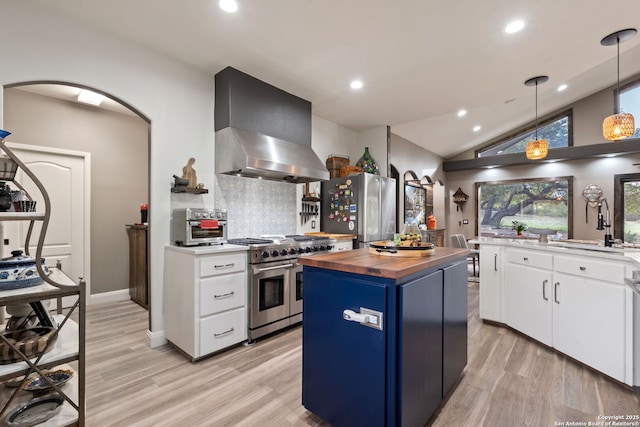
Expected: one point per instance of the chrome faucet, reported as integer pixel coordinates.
(604, 224)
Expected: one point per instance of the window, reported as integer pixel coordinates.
(630, 103)
(545, 205)
(556, 130)
(627, 208)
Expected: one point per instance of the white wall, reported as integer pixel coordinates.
(37, 44)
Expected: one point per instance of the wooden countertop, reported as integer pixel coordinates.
(331, 236)
(361, 261)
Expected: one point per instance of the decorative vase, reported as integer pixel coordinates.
(367, 163)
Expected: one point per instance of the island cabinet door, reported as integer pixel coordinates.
(420, 344)
(344, 363)
(454, 327)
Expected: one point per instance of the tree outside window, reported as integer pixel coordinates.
(541, 204)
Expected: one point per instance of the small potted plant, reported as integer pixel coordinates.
(519, 227)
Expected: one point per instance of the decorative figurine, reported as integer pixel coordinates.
(189, 173)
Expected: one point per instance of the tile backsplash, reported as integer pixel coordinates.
(256, 206)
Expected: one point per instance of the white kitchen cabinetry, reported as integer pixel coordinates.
(206, 298)
(528, 279)
(342, 245)
(576, 303)
(491, 283)
(589, 314)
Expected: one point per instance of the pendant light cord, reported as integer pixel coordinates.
(536, 122)
(618, 90)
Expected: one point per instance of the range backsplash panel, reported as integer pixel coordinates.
(256, 207)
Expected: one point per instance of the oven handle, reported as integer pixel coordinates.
(260, 270)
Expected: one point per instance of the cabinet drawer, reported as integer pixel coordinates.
(223, 264)
(591, 268)
(222, 293)
(530, 258)
(222, 330)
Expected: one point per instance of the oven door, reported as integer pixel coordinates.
(270, 287)
(296, 291)
(206, 231)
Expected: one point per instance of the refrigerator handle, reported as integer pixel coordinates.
(366, 317)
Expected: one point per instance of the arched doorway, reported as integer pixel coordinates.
(47, 114)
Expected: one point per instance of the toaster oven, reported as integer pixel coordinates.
(199, 226)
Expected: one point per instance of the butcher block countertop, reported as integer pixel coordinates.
(331, 236)
(361, 261)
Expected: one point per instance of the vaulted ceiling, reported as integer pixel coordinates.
(420, 61)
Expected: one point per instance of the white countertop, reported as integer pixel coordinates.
(207, 249)
(603, 252)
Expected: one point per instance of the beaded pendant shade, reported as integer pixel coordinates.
(619, 125)
(538, 148)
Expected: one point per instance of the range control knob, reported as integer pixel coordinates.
(205, 214)
(274, 253)
(265, 254)
(329, 247)
(292, 251)
(300, 250)
(322, 248)
(315, 249)
(307, 249)
(196, 214)
(283, 252)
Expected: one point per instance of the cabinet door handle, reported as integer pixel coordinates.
(495, 262)
(525, 258)
(544, 290)
(223, 333)
(582, 268)
(555, 292)
(228, 294)
(224, 265)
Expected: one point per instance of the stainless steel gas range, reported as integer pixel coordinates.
(275, 279)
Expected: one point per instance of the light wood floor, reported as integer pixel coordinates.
(509, 380)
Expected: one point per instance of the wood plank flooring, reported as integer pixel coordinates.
(509, 380)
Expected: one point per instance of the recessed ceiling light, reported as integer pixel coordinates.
(514, 27)
(89, 97)
(356, 84)
(477, 128)
(228, 5)
(462, 113)
(562, 87)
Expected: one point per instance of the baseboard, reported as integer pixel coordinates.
(108, 297)
(156, 339)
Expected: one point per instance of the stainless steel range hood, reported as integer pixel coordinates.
(262, 131)
(251, 154)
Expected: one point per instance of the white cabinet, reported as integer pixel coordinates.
(575, 304)
(491, 283)
(528, 305)
(206, 299)
(342, 245)
(589, 322)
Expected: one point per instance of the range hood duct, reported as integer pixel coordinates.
(262, 131)
(250, 154)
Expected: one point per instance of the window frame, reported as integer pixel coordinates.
(530, 127)
(618, 202)
(633, 84)
(570, 199)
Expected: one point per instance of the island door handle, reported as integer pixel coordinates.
(544, 290)
(366, 317)
(495, 262)
(555, 292)
(582, 268)
(525, 258)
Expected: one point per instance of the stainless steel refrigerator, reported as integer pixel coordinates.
(362, 204)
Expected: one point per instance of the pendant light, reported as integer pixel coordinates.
(538, 148)
(619, 125)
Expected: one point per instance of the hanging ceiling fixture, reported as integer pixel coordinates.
(538, 148)
(619, 125)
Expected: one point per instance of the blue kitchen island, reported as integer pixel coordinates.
(384, 337)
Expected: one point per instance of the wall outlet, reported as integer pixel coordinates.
(465, 221)
(6, 242)
(313, 225)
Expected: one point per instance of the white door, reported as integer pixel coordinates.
(66, 178)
